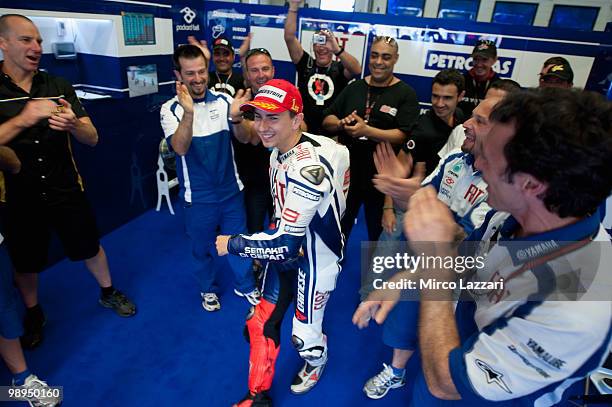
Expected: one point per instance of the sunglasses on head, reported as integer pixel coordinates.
(385, 38)
(255, 51)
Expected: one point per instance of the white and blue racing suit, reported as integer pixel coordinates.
(309, 185)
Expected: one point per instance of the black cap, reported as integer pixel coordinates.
(561, 70)
(222, 42)
(485, 48)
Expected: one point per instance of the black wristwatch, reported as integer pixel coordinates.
(339, 52)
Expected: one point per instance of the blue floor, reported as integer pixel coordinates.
(173, 352)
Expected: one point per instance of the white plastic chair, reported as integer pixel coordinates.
(164, 185)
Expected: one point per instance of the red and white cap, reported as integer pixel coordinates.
(276, 96)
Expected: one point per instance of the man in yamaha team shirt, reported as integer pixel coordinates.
(252, 161)
(198, 125)
(526, 340)
(480, 77)
(320, 79)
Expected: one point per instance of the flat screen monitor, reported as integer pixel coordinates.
(64, 50)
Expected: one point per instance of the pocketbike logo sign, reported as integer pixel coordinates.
(188, 15)
(438, 60)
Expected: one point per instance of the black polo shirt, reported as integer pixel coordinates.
(428, 136)
(252, 161)
(392, 107)
(229, 84)
(48, 171)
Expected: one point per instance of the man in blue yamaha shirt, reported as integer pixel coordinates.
(526, 342)
(198, 124)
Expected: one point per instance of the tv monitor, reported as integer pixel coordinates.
(64, 50)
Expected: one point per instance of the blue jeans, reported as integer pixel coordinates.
(202, 221)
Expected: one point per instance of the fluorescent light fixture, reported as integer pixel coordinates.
(338, 5)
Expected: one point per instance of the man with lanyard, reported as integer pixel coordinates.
(480, 76)
(198, 124)
(320, 79)
(224, 79)
(461, 187)
(309, 176)
(40, 114)
(378, 108)
(538, 315)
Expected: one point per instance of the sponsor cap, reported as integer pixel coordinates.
(223, 42)
(485, 48)
(276, 96)
(562, 71)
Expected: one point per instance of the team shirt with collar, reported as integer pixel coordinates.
(207, 172)
(454, 142)
(524, 343)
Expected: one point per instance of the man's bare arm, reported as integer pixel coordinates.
(293, 44)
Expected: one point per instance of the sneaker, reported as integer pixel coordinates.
(118, 302)
(33, 323)
(252, 297)
(307, 378)
(210, 302)
(378, 386)
(40, 394)
(255, 400)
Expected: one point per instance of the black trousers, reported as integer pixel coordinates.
(373, 202)
(258, 204)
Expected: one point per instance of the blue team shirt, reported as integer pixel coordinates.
(529, 352)
(207, 173)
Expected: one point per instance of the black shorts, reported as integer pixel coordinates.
(29, 226)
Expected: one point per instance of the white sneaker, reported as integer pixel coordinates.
(42, 394)
(253, 297)
(378, 386)
(210, 302)
(307, 378)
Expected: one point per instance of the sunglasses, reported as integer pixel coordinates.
(255, 51)
(385, 38)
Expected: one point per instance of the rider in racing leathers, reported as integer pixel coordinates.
(309, 177)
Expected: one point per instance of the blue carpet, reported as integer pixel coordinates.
(173, 352)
